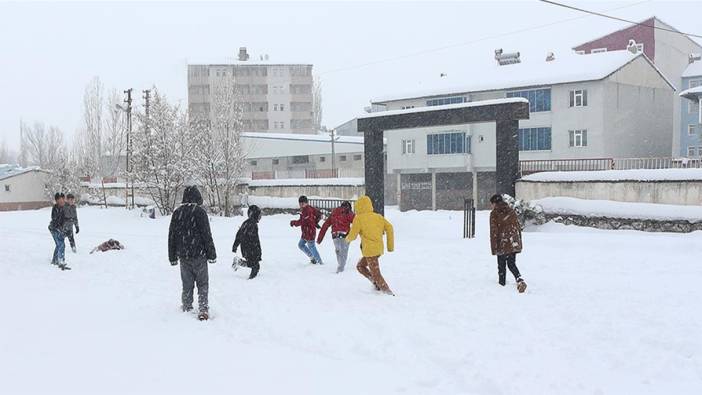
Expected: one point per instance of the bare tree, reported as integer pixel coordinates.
(41, 146)
(62, 174)
(115, 135)
(317, 104)
(162, 153)
(219, 158)
(7, 155)
(89, 140)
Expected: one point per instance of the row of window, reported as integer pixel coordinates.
(443, 101)
(540, 99)
(694, 152)
(304, 159)
(530, 139)
(248, 71)
(255, 89)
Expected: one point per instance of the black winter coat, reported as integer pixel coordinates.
(58, 218)
(189, 235)
(247, 237)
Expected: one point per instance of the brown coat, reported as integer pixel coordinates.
(505, 232)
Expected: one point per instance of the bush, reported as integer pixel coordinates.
(528, 213)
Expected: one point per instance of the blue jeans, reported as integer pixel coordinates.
(60, 249)
(308, 247)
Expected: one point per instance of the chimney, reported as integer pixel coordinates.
(243, 55)
(506, 58)
(550, 57)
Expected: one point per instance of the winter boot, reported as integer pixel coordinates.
(203, 316)
(254, 271)
(521, 286)
(63, 266)
(312, 261)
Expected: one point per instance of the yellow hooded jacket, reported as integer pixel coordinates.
(371, 226)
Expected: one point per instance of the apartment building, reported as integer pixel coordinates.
(690, 128)
(608, 105)
(276, 97)
(669, 50)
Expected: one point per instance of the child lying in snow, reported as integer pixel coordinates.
(111, 244)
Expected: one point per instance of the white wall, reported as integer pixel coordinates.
(25, 187)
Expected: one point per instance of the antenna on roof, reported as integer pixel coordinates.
(550, 57)
(694, 57)
(443, 75)
(633, 47)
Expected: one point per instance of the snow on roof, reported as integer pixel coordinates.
(694, 69)
(444, 107)
(617, 175)
(688, 93)
(233, 60)
(7, 170)
(565, 68)
(612, 209)
(322, 137)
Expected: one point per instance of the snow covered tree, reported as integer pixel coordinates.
(40, 146)
(7, 155)
(162, 160)
(62, 175)
(317, 104)
(219, 158)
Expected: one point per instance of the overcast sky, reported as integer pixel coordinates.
(49, 51)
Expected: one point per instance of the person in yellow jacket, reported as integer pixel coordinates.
(371, 226)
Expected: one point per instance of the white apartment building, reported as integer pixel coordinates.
(277, 97)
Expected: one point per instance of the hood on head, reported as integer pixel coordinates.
(364, 205)
(254, 213)
(192, 195)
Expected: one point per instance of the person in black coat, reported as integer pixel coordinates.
(247, 238)
(57, 229)
(190, 241)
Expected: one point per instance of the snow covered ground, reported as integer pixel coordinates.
(617, 175)
(606, 312)
(612, 209)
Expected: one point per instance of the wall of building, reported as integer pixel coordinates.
(619, 40)
(663, 192)
(687, 118)
(346, 192)
(26, 192)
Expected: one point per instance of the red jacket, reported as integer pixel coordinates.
(308, 222)
(340, 221)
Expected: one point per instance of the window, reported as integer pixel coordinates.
(302, 159)
(7, 188)
(443, 101)
(578, 138)
(691, 130)
(282, 107)
(357, 157)
(639, 47)
(691, 151)
(342, 158)
(691, 105)
(408, 147)
(448, 143)
(322, 159)
(578, 98)
(282, 125)
(276, 161)
(253, 163)
(599, 50)
(275, 107)
(535, 139)
(539, 99)
(581, 52)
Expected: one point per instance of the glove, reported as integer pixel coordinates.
(174, 263)
(211, 261)
(77, 229)
(292, 223)
(318, 227)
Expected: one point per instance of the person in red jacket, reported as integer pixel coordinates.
(340, 221)
(309, 216)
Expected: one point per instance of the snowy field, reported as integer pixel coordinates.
(606, 312)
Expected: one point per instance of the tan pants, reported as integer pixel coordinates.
(370, 268)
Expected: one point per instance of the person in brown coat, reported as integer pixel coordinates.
(505, 240)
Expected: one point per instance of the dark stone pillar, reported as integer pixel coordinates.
(507, 168)
(375, 169)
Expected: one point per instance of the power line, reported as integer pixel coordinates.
(437, 49)
(619, 19)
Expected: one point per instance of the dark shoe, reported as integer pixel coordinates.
(501, 282)
(203, 316)
(521, 286)
(312, 261)
(186, 309)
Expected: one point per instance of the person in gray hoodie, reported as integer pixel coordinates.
(71, 215)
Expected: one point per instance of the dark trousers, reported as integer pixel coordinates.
(69, 234)
(510, 262)
(255, 267)
(194, 271)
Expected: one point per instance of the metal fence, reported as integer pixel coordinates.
(308, 173)
(468, 218)
(535, 166)
(327, 205)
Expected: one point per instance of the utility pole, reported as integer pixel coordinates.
(333, 156)
(127, 187)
